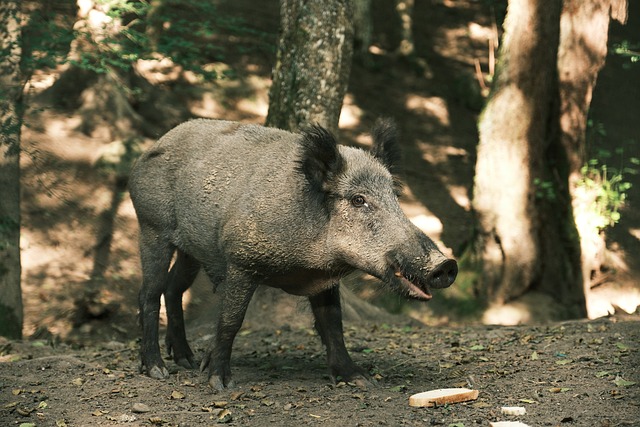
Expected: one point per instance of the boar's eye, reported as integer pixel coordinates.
(358, 201)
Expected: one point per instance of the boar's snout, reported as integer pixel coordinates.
(416, 281)
(443, 275)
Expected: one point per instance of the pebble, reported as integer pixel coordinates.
(513, 410)
(140, 408)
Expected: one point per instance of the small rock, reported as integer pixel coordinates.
(140, 408)
(513, 410)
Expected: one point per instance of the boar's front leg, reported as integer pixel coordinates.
(328, 322)
(181, 276)
(236, 292)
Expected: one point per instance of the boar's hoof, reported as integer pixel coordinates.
(363, 383)
(186, 362)
(158, 372)
(216, 383)
(354, 375)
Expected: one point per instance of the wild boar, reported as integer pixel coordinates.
(260, 206)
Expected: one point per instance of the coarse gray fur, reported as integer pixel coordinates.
(260, 206)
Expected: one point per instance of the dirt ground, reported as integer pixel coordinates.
(567, 374)
(79, 364)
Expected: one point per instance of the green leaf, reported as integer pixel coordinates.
(534, 356)
(622, 382)
(622, 347)
(564, 361)
(602, 374)
(477, 347)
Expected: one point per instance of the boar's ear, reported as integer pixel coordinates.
(385, 143)
(320, 159)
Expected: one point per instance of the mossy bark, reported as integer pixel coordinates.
(12, 84)
(584, 29)
(527, 240)
(313, 64)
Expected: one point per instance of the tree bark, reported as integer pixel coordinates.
(405, 12)
(362, 25)
(584, 29)
(526, 237)
(313, 63)
(11, 109)
(309, 83)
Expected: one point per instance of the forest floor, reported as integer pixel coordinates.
(578, 373)
(79, 364)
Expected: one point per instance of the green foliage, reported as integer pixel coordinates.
(544, 189)
(185, 31)
(46, 40)
(628, 50)
(602, 190)
(608, 189)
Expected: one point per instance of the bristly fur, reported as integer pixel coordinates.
(320, 159)
(387, 149)
(385, 144)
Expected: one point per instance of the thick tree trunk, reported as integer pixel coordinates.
(584, 28)
(11, 86)
(312, 68)
(527, 239)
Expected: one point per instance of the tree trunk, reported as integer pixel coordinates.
(405, 12)
(12, 84)
(584, 28)
(309, 83)
(362, 25)
(527, 239)
(313, 63)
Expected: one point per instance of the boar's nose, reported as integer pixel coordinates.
(443, 275)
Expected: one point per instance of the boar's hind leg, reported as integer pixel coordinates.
(181, 276)
(155, 255)
(328, 321)
(236, 291)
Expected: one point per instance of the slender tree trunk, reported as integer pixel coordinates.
(363, 25)
(313, 63)
(11, 86)
(405, 12)
(584, 29)
(527, 239)
(309, 83)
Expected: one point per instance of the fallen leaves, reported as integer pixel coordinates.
(559, 390)
(540, 369)
(177, 395)
(620, 382)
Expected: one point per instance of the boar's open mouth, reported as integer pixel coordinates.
(411, 286)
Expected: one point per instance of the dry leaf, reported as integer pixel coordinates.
(175, 394)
